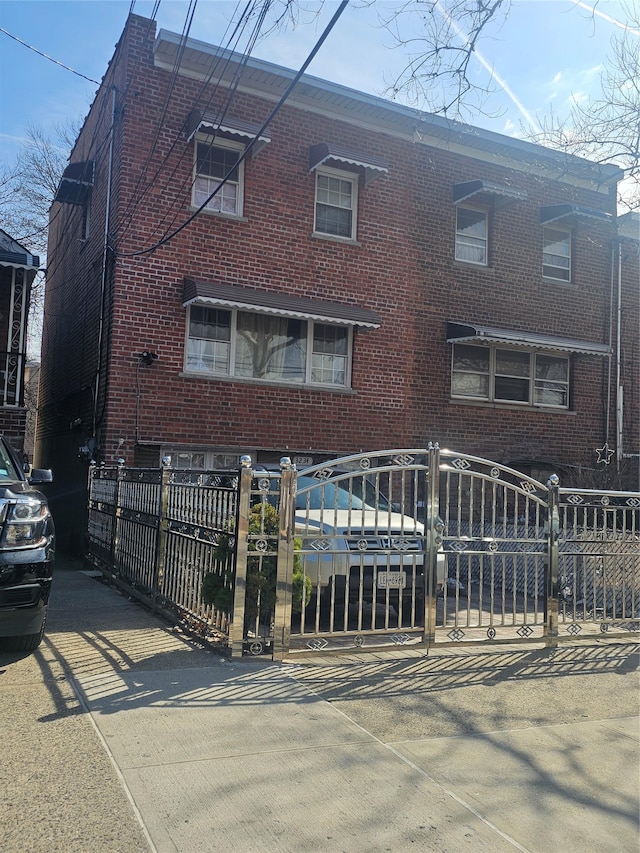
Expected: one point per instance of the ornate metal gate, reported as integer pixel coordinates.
(414, 547)
(425, 547)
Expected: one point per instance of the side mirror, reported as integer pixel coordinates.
(39, 476)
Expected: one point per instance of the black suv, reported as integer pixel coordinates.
(27, 546)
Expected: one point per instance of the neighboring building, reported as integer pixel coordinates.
(18, 268)
(365, 276)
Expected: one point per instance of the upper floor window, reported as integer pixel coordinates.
(495, 374)
(217, 168)
(336, 203)
(472, 236)
(267, 347)
(556, 254)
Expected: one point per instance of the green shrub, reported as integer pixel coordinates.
(218, 589)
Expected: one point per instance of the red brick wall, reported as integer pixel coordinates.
(402, 267)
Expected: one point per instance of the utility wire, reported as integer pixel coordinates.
(50, 58)
(343, 5)
(227, 101)
(137, 194)
(138, 197)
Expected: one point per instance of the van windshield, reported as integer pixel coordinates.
(351, 493)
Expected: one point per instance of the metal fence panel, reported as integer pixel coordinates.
(599, 562)
(158, 532)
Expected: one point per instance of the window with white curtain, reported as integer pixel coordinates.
(472, 236)
(267, 347)
(495, 374)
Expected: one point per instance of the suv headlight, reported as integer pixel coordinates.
(25, 523)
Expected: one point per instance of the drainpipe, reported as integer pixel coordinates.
(105, 252)
(619, 387)
(607, 425)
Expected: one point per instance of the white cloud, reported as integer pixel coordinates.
(578, 98)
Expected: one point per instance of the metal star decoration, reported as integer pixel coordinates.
(604, 454)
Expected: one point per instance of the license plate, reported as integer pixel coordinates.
(392, 580)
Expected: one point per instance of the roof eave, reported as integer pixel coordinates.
(269, 80)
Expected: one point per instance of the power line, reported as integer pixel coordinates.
(343, 5)
(137, 198)
(227, 101)
(46, 56)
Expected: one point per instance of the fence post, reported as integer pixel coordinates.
(90, 541)
(551, 581)
(236, 629)
(284, 568)
(433, 532)
(163, 525)
(117, 512)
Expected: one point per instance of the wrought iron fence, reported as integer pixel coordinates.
(419, 547)
(157, 533)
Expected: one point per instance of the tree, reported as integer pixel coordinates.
(607, 129)
(27, 190)
(441, 38)
(260, 598)
(437, 76)
(440, 50)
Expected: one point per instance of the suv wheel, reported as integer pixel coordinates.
(25, 643)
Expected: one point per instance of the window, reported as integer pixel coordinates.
(267, 347)
(510, 376)
(336, 199)
(472, 236)
(185, 459)
(556, 254)
(329, 358)
(84, 226)
(209, 343)
(215, 162)
(551, 387)
(271, 348)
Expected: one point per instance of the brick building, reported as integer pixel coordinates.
(359, 275)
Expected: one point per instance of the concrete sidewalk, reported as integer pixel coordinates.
(121, 735)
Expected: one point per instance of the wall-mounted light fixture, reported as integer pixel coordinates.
(147, 357)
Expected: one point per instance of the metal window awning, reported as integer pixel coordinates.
(76, 183)
(480, 190)
(279, 304)
(14, 254)
(573, 215)
(458, 332)
(226, 127)
(325, 153)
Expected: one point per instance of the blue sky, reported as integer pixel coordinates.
(546, 53)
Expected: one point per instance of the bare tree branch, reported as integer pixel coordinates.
(607, 129)
(437, 72)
